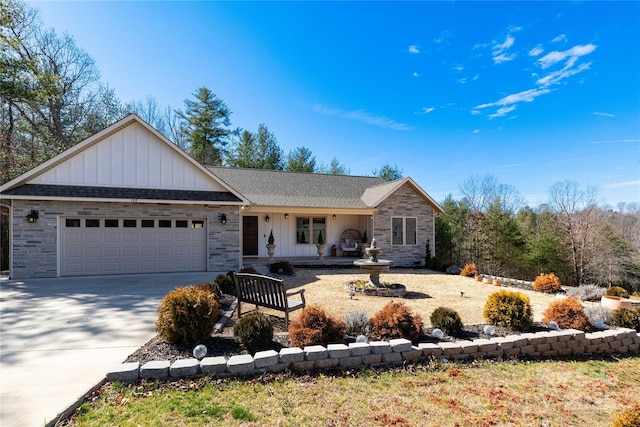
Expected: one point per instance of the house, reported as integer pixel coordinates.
(128, 200)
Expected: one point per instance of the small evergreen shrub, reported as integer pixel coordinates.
(599, 313)
(568, 313)
(187, 315)
(211, 287)
(626, 318)
(448, 320)
(225, 283)
(315, 327)
(509, 309)
(357, 323)
(395, 320)
(469, 270)
(617, 291)
(547, 283)
(281, 267)
(630, 417)
(587, 292)
(254, 332)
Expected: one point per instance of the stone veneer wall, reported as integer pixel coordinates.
(405, 202)
(35, 246)
(550, 344)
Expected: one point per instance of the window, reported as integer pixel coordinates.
(181, 223)
(164, 223)
(404, 231)
(91, 223)
(129, 223)
(111, 223)
(197, 224)
(72, 223)
(306, 227)
(148, 223)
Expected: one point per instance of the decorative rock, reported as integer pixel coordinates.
(125, 372)
(184, 368)
(155, 370)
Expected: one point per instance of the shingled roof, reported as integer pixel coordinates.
(297, 189)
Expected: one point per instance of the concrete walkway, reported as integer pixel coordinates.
(59, 336)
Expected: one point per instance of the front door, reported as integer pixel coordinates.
(250, 235)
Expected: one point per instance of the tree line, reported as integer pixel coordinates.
(52, 98)
(571, 235)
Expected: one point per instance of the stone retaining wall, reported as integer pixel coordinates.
(549, 344)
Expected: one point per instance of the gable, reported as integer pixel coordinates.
(374, 196)
(132, 157)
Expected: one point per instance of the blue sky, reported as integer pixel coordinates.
(530, 92)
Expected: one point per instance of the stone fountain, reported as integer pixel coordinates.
(375, 267)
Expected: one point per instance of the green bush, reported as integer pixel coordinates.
(395, 320)
(568, 313)
(617, 291)
(510, 309)
(626, 318)
(187, 315)
(225, 283)
(548, 283)
(315, 327)
(249, 269)
(630, 417)
(254, 332)
(448, 320)
(281, 267)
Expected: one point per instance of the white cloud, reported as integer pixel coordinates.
(623, 184)
(559, 38)
(414, 49)
(525, 96)
(536, 51)
(476, 131)
(503, 111)
(458, 68)
(462, 80)
(499, 50)
(557, 76)
(573, 54)
(415, 74)
(616, 141)
(363, 117)
(600, 113)
(442, 38)
(476, 77)
(427, 110)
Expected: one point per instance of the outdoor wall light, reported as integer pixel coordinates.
(286, 216)
(267, 218)
(32, 218)
(222, 218)
(334, 217)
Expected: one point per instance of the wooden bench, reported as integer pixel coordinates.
(264, 291)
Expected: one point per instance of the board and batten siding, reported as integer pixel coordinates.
(133, 157)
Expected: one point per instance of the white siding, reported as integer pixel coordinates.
(134, 158)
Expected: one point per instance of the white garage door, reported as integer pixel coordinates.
(94, 246)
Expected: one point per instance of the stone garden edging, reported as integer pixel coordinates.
(547, 344)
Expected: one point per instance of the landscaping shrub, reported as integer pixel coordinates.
(249, 269)
(567, 313)
(548, 283)
(281, 267)
(448, 320)
(187, 315)
(630, 417)
(357, 323)
(510, 309)
(617, 291)
(587, 292)
(626, 318)
(395, 320)
(315, 327)
(599, 313)
(225, 282)
(212, 287)
(469, 270)
(254, 332)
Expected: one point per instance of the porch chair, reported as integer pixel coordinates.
(351, 242)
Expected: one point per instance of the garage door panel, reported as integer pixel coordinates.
(120, 250)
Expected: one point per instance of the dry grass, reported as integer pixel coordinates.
(426, 291)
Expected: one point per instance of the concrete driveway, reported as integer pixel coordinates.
(59, 336)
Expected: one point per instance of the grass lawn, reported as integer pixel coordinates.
(544, 393)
